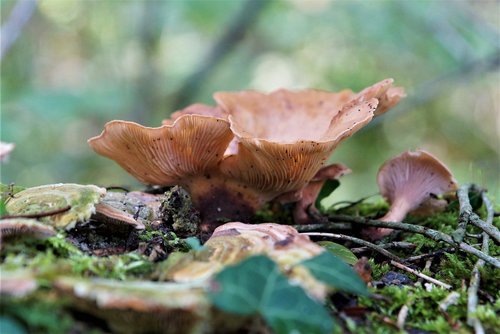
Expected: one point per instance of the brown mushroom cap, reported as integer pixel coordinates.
(275, 168)
(166, 155)
(409, 179)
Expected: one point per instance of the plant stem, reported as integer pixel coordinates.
(357, 241)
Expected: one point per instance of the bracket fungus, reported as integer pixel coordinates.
(249, 149)
(76, 203)
(409, 181)
(233, 242)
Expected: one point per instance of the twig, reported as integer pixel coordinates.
(357, 241)
(432, 254)
(233, 34)
(487, 226)
(472, 319)
(465, 212)
(419, 274)
(38, 215)
(467, 215)
(11, 30)
(433, 234)
(315, 227)
(451, 299)
(402, 315)
(428, 265)
(393, 244)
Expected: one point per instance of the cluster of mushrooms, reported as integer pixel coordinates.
(249, 149)
(232, 159)
(252, 148)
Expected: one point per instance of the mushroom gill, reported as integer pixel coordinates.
(248, 150)
(408, 180)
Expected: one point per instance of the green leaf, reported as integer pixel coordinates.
(10, 325)
(333, 271)
(328, 187)
(340, 251)
(3, 210)
(256, 286)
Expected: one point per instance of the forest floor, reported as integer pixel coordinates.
(400, 301)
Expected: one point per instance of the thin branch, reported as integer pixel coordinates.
(357, 241)
(467, 215)
(402, 315)
(39, 215)
(465, 212)
(472, 298)
(11, 30)
(233, 34)
(430, 233)
(451, 299)
(315, 227)
(419, 274)
(393, 244)
(432, 254)
(487, 227)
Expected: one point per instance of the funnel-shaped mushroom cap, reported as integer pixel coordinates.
(409, 179)
(278, 167)
(292, 133)
(167, 155)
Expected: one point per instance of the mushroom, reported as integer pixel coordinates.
(407, 181)
(5, 149)
(15, 227)
(250, 149)
(140, 307)
(233, 242)
(77, 202)
(305, 207)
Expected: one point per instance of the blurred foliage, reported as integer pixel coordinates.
(79, 64)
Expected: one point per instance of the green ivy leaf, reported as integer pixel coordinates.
(333, 271)
(328, 187)
(194, 243)
(340, 251)
(256, 286)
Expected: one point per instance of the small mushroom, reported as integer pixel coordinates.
(24, 227)
(5, 149)
(305, 206)
(408, 180)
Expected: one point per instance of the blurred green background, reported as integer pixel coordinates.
(78, 64)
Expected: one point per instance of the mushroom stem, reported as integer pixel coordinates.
(397, 212)
(220, 200)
